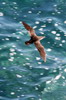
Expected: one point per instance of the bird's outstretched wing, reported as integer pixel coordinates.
(41, 50)
(29, 28)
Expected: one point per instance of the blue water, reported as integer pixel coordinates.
(23, 74)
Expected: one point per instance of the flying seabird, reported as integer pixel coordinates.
(36, 40)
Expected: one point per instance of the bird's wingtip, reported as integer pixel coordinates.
(22, 22)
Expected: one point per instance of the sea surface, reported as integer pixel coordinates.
(23, 74)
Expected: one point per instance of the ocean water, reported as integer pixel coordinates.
(23, 74)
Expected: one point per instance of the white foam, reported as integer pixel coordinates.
(34, 27)
(60, 44)
(19, 76)
(37, 58)
(36, 88)
(63, 77)
(41, 73)
(21, 53)
(3, 3)
(55, 24)
(39, 62)
(65, 22)
(30, 12)
(18, 37)
(11, 49)
(16, 7)
(57, 77)
(41, 29)
(13, 46)
(1, 14)
(43, 26)
(53, 32)
(39, 12)
(49, 19)
(11, 54)
(58, 12)
(22, 95)
(57, 34)
(27, 58)
(63, 41)
(10, 59)
(65, 70)
(27, 63)
(57, 38)
(56, 59)
(20, 32)
(37, 22)
(7, 39)
(55, 5)
(41, 32)
(54, 71)
(0, 48)
(49, 49)
(48, 82)
(25, 15)
(39, 99)
(4, 67)
(14, 3)
(12, 93)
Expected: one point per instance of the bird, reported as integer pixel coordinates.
(36, 40)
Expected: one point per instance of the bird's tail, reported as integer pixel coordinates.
(41, 37)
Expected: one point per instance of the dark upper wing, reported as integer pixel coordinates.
(41, 50)
(30, 29)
